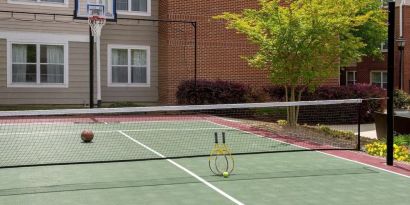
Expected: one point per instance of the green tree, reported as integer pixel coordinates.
(303, 43)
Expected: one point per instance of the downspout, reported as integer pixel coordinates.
(401, 17)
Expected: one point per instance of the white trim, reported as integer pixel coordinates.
(383, 50)
(35, 37)
(354, 74)
(173, 108)
(208, 184)
(377, 71)
(39, 3)
(38, 84)
(129, 84)
(136, 13)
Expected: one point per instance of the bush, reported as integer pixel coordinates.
(401, 153)
(402, 140)
(361, 91)
(336, 133)
(257, 95)
(282, 123)
(401, 99)
(223, 92)
(212, 92)
(122, 104)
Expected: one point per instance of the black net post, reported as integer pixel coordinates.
(390, 84)
(359, 119)
(194, 24)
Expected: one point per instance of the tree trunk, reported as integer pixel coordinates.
(287, 100)
(292, 109)
(298, 108)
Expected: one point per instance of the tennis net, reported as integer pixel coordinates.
(53, 137)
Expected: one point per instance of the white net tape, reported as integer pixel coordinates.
(176, 108)
(96, 24)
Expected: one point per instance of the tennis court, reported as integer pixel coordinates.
(163, 159)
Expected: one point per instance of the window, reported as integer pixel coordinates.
(379, 78)
(40, 2)
(385, 3)
(37, 65)
(351, 77)
(129, 66)
(384, 47)
(136, 7)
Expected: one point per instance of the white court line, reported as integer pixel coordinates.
(185, 170)
(111, 131)
(350, 160)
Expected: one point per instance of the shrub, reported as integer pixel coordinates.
(211, 92)
(336, 133)
(402, 140)
(361, 91)
(122, 104)
(401, 153)
(257, 95)
(282, 123)
(401, 99)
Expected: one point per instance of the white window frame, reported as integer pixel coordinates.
(38, 83)
(378, 71)
(385, 4)
(382, 47)
(354, 74)
(136, 13)
(129, 84)
(39, 3)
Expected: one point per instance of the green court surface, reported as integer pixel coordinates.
(275, 178)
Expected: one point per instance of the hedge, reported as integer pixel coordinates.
(211, 92)
(223, 92)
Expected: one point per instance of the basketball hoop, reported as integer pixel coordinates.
(96, 24)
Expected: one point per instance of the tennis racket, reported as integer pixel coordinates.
(221, 159)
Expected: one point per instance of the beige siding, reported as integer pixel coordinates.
(76, 93)
(23, 22)
(63, 9)
(145, 35)
(125, 32)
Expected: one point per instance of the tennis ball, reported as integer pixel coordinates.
(225, 174)
(87, 136)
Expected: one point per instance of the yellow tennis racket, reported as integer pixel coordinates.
(221, 159)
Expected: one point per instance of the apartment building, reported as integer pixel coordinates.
(45, 59)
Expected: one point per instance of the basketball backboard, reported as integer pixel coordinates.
(103, 8)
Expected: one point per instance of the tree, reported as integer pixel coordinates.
(303, 43)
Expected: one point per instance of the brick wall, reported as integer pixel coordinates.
(365, 67)
(406, 35)
(219, 50)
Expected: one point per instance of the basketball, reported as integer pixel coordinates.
(87, 136)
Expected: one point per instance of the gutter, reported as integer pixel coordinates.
(401, 17)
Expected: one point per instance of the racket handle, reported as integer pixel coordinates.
(223, 137)
(216, 138)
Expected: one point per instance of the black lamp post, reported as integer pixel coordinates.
(401, 43)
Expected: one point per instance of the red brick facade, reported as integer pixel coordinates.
(406, 35)
(368, 65)
(219, 50)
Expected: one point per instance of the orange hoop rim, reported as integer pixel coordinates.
(96, 18)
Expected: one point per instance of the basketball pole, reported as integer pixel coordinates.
(98, 71)
(91, 70)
